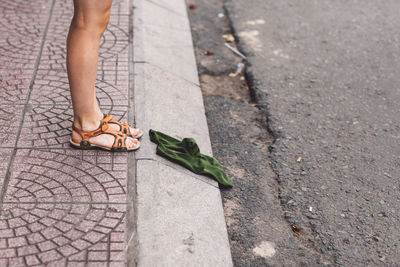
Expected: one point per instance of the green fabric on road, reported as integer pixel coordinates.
(187, 154)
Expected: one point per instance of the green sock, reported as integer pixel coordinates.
(187, 154)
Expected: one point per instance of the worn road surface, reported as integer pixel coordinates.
(258, 232)
(329, 74)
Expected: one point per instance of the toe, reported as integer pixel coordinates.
(132, 142)
(134, 131)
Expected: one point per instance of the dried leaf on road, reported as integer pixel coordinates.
(296, 229)
(228, 37)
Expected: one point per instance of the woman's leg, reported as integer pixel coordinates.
(88, 25)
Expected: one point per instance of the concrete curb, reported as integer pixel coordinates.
(180, 218)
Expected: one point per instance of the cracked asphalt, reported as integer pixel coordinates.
(324, 94)
(328, 74)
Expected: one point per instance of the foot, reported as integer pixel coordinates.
(102, 140)
(136, 133)
(121, 126)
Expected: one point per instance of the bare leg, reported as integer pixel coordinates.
(88, 25)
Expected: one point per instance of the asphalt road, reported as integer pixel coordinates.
(328, 73)
(258, 232)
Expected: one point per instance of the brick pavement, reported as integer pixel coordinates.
(58, 205)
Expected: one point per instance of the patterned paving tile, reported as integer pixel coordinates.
(52, 88)
(22, 25)
(10, 118)
(5, 155)
(18, 52)
(73, 234)
(68, 176)
(113, 47)
(63, 12)
(49, 126)
(120, 8)
(19, 12)
(62, 206)
(113, 64)
(14, 85)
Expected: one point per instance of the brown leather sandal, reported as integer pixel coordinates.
(125, 128)
(119, 142)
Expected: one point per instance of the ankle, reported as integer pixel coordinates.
(87, 123)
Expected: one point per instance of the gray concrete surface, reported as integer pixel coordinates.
(180, 219)
(328, 72)
(163, 38)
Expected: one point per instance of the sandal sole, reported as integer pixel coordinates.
(93, 146)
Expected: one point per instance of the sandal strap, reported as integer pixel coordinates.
(125, 128)
(102, 128)
(107, 118)
(86, 135)
(119, 138)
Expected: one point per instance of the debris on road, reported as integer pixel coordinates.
(192, 6)
(228, 38)
(221, 15)
(208, 53)
(296, 229)
(299, 159)
(255, 22)
(239, 69)
(234, 50)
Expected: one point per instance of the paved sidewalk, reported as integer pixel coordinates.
(59, 205)
(94, 208)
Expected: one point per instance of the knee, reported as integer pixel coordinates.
(94, 22)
